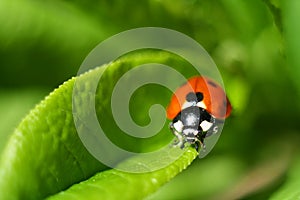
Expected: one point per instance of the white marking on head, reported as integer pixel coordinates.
(205, 125)
(187, 104)
(201, 105)
(178, 126)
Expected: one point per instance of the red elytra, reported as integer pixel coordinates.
(214, 97)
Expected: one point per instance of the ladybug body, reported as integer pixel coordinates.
(197, 110)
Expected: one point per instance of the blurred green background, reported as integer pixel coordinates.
(254, 43)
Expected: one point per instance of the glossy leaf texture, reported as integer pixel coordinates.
(114, 184)
(45, 156)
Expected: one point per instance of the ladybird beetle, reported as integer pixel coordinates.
(197, 109)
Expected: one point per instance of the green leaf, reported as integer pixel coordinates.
(45, 31)
(12, 110)
(276, 11)
(291, 14)
(225, 171)
(290, 189)
(45, 155)
(114, 184)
